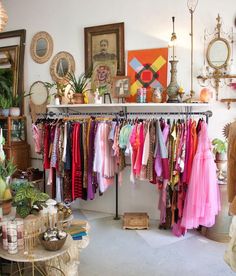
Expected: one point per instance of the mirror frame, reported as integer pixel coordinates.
(54, 63)
(46, 89)
(33, 46)
(208, 53)
(21, 34)
(16, 67)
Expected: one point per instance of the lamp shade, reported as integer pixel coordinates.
(3, 17)
(192, 4)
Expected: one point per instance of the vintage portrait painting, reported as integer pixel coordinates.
(105, 43)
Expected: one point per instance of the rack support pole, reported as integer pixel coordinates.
(116, 217)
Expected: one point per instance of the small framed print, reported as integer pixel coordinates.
(121, 87)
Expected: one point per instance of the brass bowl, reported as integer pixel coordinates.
(52, 245)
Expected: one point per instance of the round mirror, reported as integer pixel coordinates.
(41, 47)
(39, 93)
(218, 53)
(61, 65)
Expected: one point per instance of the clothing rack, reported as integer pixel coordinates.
(125, 114)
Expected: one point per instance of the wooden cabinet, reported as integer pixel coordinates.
(15, 135)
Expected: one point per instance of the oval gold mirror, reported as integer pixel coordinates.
(62, 64)
(218, 53)
(41, 47)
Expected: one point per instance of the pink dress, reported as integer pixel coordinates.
(202, 201)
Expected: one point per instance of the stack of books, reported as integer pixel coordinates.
(78, 229)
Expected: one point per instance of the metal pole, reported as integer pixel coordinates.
(116, 217)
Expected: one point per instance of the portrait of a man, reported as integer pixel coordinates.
(104, 53)
(105, 43)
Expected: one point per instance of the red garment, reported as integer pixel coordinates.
(77, 176)
(46, 145)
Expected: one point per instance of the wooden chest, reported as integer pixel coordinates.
(135, 221)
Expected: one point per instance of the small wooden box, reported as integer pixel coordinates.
(136, 221)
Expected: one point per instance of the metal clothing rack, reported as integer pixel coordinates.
(125, 114)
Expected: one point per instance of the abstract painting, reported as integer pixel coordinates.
(147, 68)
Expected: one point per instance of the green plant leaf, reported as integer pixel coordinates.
(23, 211)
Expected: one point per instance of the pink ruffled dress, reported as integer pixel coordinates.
(202, 201)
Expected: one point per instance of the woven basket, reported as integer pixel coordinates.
(52, 245)
(6, 206)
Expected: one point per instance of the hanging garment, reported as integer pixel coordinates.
(37, 136)
(231, 164)
(202, 202)
(77, 178)
(90, 146)
(46, 153)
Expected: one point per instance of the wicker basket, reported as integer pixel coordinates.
(6, 206)
(52, 245)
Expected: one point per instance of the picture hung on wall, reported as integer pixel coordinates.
(121, 87)
(103, 73)
(147, 69)
(105, 43)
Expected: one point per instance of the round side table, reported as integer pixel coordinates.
(36, 259)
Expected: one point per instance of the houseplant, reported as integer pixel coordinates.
(219, 149)
(79, 85)
(60, 91)
(15, 104)
(7, 169)
(29, 200)
(5, 104)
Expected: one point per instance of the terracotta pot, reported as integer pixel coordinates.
(78, 98)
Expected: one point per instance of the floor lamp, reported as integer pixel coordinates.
(192, 4)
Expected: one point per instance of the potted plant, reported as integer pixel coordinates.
(79, 85)
(219, 149)
(29, 200)
(15, 105)
(5, 104)
(7, 169)
(60, 91)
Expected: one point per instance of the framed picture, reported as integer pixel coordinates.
(103, 73)
(147, 68)
(104, 43)
(121, 87)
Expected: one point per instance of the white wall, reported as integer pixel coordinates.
(147, 25)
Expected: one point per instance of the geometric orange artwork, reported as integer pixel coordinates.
(147, 68)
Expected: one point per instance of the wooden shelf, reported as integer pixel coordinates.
(130, 105)
(228, 101)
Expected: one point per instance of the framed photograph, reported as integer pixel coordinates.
(121, 87)
(104, 43)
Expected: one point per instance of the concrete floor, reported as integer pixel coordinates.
(116, 252)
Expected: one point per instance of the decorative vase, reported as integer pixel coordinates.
(173, 87)
(15, 111)
(58, 99)
(78, 98)
(5, 112)
(156, 96)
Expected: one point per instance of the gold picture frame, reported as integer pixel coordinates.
(104, 43)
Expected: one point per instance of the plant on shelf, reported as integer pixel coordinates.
(60, 90)
(219, 149)
(16, 102)
(79, 86)
(5, 104)
(29, 200)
